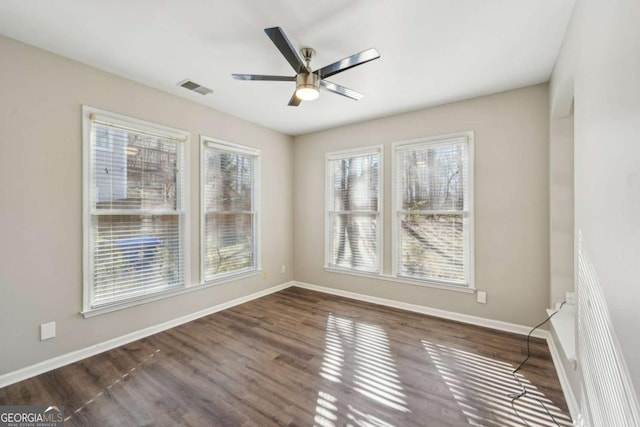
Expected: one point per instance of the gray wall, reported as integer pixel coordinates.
(560, 207)
(599, 66)
(41, 201)
(511, 203)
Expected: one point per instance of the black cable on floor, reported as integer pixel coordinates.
(517, 395)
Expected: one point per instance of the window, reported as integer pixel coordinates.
(229, 217)
(134, 209)
(433, 191)
(353, 223)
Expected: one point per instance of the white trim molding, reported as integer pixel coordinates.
(567, 390)
(330, 211)
(74, 356)
(430, 311)
(397, 147)
(93, 299)
(570, 397)
(399, 279)
(206, 143)
(66, 359)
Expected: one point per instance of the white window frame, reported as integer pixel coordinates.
(88, 114)
(205, 142)
(468, 137)
(345, 154)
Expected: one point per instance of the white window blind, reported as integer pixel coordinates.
(230, 214)
(433, 208)
(134, 223)
(353, 210)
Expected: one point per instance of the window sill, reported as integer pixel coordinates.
(403, 280)
(222, 279)
(167, 294)
(564, 326)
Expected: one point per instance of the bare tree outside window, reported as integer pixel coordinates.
(229, 211)
(354, 211)
(433, 185)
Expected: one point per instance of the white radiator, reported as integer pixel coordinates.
(608, 398)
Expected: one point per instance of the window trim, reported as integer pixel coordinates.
(257, 241)
(124, 121)
(468, 137)
(406, 281)
(345, 154)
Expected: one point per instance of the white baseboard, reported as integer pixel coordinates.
(74, 356)
(567, 390)
(570, 397)
(464, 318)
(65, 359)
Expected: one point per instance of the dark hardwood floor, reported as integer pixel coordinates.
(304, 358)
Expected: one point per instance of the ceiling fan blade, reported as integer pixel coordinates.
(347, 63)
(281, 41)
(294, 101)
(341, 90)
(263, 77)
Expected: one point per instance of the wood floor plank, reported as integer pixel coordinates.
(303, 358)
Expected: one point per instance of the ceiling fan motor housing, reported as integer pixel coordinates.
(307, 84)
(308, 80)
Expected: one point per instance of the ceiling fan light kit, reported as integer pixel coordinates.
(307, 86)
(308, 82)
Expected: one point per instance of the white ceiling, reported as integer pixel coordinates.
(432, 51)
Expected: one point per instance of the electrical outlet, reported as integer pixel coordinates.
(283, 270)
(481, 297)
(265, 274)
(570, 297)
(47, 331)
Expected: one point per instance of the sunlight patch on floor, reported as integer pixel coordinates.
(481, 387)
(372, 373)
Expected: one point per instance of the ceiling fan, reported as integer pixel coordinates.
(308, 82)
